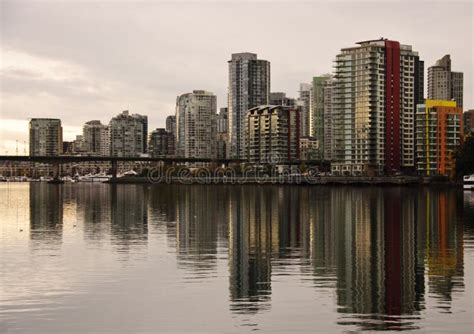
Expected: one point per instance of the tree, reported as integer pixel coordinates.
(465, 158)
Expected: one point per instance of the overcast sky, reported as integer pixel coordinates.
(87, 60)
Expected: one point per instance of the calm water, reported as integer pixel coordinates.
(134, 258)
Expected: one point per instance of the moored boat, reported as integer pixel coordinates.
(468, 182)
(94, 178)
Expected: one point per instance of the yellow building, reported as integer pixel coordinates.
(439, 131)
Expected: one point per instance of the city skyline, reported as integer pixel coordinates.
(229, 166)
(53, 81)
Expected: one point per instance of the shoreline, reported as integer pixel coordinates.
(322, 180)
(356, 181)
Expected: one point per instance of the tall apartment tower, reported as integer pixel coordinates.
(105, 145)
(304, 105)
(46, 137)
(171, 124)
(222, 120)
(443, 84)
(272, 134)
(196, 125)
(128, 135)
(171, 128)
(249, 86)
(222, 127)
(327, 148)
(321, 114)
(95, 138)
(377, 87)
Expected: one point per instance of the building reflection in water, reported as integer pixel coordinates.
(197, 229)
(196, 226)
(377, 267)
(253, 220)
(93, 207)
(444, 244)
(129, 217)
(468, 213)
(46, 215)
(376, 248)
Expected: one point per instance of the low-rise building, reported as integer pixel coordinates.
(469, 122)
(78, 147)
(309, 148)
(161, 143)
(67, 147)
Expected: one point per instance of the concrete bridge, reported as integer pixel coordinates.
(57, 161)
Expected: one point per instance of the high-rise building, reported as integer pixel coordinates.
(95, 138)
(221, 145)
(128, 135)
(171, 128)
(171, 124)
(105, 142)
(439, 131)
(46, 137)
(222, 120)
(280, 99)
(376, 89)
(304, 105)
(443, 84)
(469, 122)
(457, 87)
(249, 86)
(328, 126)
(272, 134)
(321, 114)
(222, 126)
(196, 125)
(161, 143)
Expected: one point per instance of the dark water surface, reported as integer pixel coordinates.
(189, 258)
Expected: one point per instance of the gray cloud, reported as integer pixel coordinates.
(30, 84)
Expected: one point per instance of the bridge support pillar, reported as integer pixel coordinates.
(114, 169)
(56, 171)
